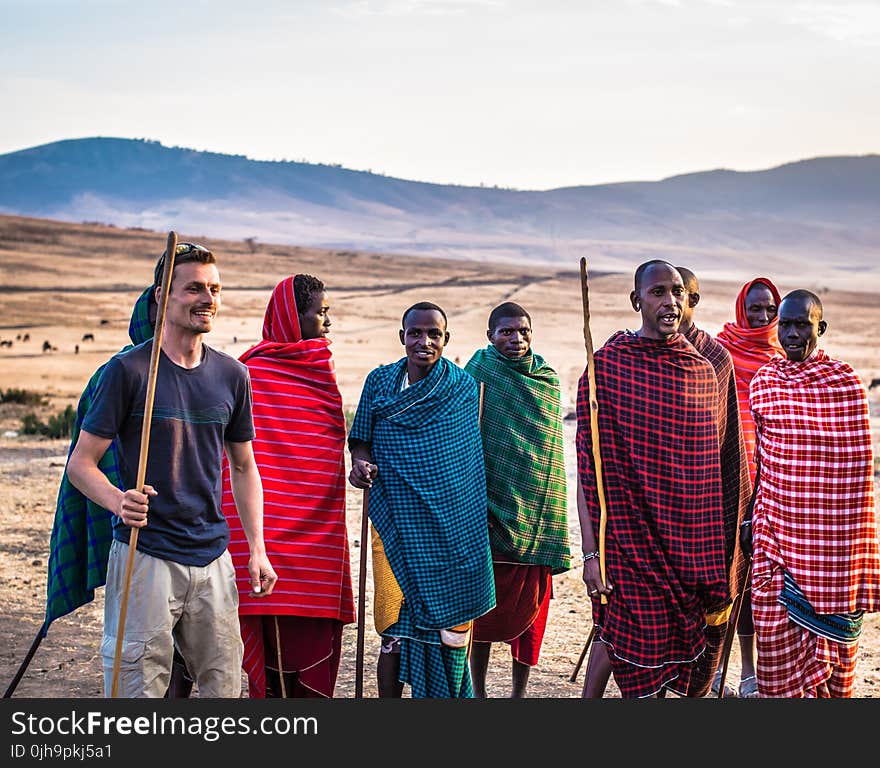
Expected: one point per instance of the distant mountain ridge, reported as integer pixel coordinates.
(813, 214)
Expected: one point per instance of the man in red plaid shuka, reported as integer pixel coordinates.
(816, 568)
(664, 540)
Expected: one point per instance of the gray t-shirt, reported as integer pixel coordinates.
(194, 411)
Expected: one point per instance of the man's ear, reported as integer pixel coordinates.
(489, 335)
(446, 339)
(400, 333)
(693, 299)
(634, 300)
(823, 326)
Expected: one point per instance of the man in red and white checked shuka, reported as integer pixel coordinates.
(299, 443)
(666, 577)
(816, 568)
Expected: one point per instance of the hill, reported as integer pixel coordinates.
(817, 215)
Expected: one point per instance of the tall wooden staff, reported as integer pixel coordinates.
(594, 422)
(597, 452)
(734, 618)
(170, 248)
(362, 585)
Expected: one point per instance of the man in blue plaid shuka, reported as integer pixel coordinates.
(415, 444)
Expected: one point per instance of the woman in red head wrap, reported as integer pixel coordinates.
(752, 342)
(293, 639)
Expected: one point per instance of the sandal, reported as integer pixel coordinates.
(729, 691)
(748, 687)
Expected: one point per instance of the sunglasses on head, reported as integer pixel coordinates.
(181, 250)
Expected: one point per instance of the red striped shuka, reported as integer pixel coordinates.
(299, 444)
(813, 518)
(664, 542)
(750, 348)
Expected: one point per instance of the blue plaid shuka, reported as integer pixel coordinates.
(428, 501)
(81, 532)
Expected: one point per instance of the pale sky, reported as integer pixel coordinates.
(532, 95)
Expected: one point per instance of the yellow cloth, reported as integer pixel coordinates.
(387, 595)
(719, 617)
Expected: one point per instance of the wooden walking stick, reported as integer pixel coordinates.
(734, 618)
(731, 631)
(597, 453)
(594, 422)
(170, 248)
(362, 585)
(577, 667)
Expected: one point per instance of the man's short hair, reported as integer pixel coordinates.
(507, 309)
(422, 306)
(691, 284)
(305, 288)
(804, 295)
(183, 254)
(640, 270)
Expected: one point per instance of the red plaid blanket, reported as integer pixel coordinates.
(665, 550)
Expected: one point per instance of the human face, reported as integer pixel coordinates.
(799, 328)
(512, 336)
(194, 298)
(424, 337)
(314, 323)
(660, 299)
(760, 306)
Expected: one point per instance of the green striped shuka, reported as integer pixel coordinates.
(521, 427)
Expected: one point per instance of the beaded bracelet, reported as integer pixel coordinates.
(591, 555)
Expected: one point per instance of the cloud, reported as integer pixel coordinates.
(362, 8)
(857, 23)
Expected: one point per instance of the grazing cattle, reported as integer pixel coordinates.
(6, 343)
(26, 337)
(47, 347)
(88, 337)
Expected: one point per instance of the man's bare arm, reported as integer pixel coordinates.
(82, 469)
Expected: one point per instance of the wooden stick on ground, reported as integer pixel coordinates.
(170, 248)
(580, 661)
(731, 631)
(362, 585)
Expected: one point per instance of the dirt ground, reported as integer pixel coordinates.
(56, 287)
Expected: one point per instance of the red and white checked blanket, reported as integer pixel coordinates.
(814, 512)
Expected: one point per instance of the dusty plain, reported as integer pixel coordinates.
(60, 281)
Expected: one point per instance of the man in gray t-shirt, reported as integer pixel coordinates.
(183, 584)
